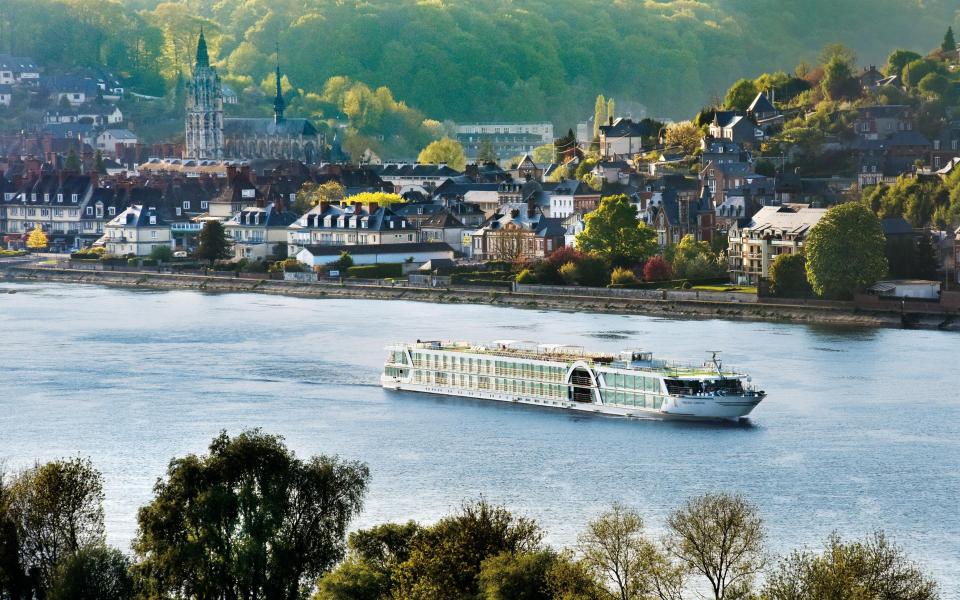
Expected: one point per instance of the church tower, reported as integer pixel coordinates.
(204, 109)
(278, 104)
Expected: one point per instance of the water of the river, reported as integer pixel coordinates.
(861, 429)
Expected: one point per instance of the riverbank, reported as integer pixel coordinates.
(667, 308)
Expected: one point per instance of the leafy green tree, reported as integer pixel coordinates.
(740, 95)
(249, 519)
(618, 552)
(486, 153)
(935, 85)
(213, 243)
(837, 51)
(521, 576)
(599, 114)
(694, 259)
(93, 573)
(353, 580)
(72, 162)
(872, 568)
(915, 71)
(615, 233)
(925, 259)
(344, 262)
(445, 560)
(788, 276)
(838, 81)
(685, 135)
(611, 109)
(57, 510)
(719, 536)
(592, 271)
(949, 43)
(898, 59)
(15, 583)
(446, 150)
(162, 253)
(845, 251)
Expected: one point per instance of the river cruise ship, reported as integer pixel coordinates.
(628, 384)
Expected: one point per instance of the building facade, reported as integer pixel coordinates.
(204, 124)
(774, 230)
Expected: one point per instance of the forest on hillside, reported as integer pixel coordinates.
(471, 59)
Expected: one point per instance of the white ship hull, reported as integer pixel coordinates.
(710, 408)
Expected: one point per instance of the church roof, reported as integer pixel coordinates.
(239, 127)
(203, 59)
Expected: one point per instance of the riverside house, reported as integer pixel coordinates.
(349, 225)
(137, 230)
(773, 230)
(259, 232)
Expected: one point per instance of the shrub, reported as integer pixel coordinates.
(344, 262)
(564, 255)
(656, 269)
(149, 262)
(132, 262)
(162, 253)
(378, 271)
(622, 276)
(256, 266)
(592, 272)
(788, 276)
(526, 276)
(568, 272)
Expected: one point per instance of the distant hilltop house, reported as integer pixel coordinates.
(210, 136)
(75, 89)
(92, 113)
(623, 137)
(18, 70)
(6, 94)
(111, 141)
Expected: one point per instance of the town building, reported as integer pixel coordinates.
(622, 138)
(521, 231)
(137, 231)
(18, 70)
(348, 225)
(416, 253)
(773, 230)
(506, 139)
(260, 232)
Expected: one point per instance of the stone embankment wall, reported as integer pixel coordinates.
(665, 306)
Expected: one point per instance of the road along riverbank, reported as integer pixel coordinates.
(821, 313)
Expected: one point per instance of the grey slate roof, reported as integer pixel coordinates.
(240, 127)
(361, 249)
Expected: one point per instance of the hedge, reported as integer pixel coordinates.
(379, 271)
(491, 276)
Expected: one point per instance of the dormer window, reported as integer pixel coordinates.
(363, 224)
(59, 197)
(327, 221)
(179, 211)
(89, 211)
(153, 220)
(33, 197)
(204, 204)
(112, 210)
(74, 197)
(46, 197)
(186, 205)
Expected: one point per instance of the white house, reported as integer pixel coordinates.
(137, 231)
(6, 94)
(907, 288)
(316, 256)
(18, 69)
(111, 140)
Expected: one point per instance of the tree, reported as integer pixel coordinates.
(845, 251)
(374, 554)
(949, 43)
(379, 198)
(544, 154)
(486, 152)
(915, 71)
(57, 509)
(98, 166)
(684, 134)
(213, 243)
(837, 51)
(872, 568)
(249, 519)
(15, 583)
(444, 151)
(611, 109)
(344, 262)
(694, 259)
(72, 163)
(656, 269)
(615, 548)
(521, 576)
(740, 95)
(592, 271)
(311, 194)
(838, 81)
(162, 253)
(615, 233)
(37, 240)
(93, 573)
(721, 537)
(788, 276)
(445, 559)
(935, 85)
(599, 114)
(898, 59)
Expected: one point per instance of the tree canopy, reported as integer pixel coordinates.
(213, 242)
(615, 233)
(845, 251)
(444, 151)
(249, 519)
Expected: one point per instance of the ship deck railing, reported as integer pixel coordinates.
(659, 367)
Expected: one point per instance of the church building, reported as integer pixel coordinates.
(212, 137)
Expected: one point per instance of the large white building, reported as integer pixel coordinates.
(774, 230)
(506, 139)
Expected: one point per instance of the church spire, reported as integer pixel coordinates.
(278, 104)
(203, 59)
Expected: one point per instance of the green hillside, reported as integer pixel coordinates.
(476, 59)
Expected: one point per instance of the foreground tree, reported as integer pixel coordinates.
(444, 151)
(445, 559)
(615, 548)
(615, 233)
(373, 555)
(56, 510)
(247, 520)
(845, 251)
(37, 240)
(788, 276)
(93, 573)
(213, 243)
(721, 537)
(872, 568)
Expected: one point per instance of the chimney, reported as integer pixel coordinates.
(531, 207)
(231, 173)
(373, 207)
(324, 206)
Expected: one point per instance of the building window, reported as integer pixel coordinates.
(74, 197)
(112, 210)
(153, 234)
(153, 220)
(203, 205)
(186, 205)
(89, 211)
(178, 211)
